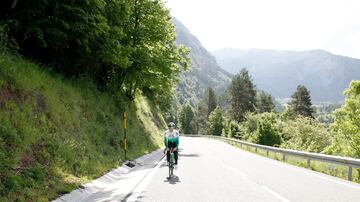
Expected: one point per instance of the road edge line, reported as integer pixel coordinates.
(139, 188)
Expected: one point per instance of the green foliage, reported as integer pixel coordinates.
(243, 95)
(201, 119)
(233, 130)
(267, 133)
(125, 45)
(264, 103)
(203, 109)
(326, 118)
(65, 33)
(186, 118)
(210, 97)
(301, 102)
(305, 134)
(7, 44)
(249, 126)
(301, 133)
(347, 119)
(155, 59)
(216, 122)
(56, 133)
(261, 129)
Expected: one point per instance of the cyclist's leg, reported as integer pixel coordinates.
(168, 156)
(173, 146)
(176, 156)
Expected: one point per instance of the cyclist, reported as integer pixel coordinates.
(171, 141)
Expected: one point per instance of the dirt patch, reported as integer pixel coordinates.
(34, 154)
(7, 94)
(41, 105)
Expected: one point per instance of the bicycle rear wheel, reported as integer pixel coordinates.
(171, 164)
(171, 171)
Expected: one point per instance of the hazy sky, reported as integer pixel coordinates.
(332, 25)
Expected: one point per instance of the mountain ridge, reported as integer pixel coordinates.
(204, 70)
(279, 72)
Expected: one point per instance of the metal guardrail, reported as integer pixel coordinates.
(350, 162)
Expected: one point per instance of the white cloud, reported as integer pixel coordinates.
(333, 25)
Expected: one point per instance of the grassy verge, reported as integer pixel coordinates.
(335, 170)
(57, 133)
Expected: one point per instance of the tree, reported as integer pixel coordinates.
(261, 129)
(185, 118)
(201, 119)
(65, 34)
(301, 102)
(203, 109)
(265, 103)
(211, 100)
(126, 45)
(347, 118)
(243, 95)
(155, 61)
(216, 122)
(232, 129)
(267, 133)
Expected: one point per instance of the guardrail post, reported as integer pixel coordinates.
(267, 153)
(308, 162)
(255, 149)
(283, 157)
(350, 174)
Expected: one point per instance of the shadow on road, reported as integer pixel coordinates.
(173, 180)
(189, 155)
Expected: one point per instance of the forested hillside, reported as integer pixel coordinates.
(68, 70)
(279, 72)
(204, 71)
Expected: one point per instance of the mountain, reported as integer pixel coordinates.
(279, 72)
(204, 71)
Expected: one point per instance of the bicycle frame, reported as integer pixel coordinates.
(171, 163)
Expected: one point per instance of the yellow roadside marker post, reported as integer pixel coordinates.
(125, 140)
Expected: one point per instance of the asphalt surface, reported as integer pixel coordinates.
(210, 170)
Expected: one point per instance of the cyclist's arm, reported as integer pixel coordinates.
(165, 140)
(177, 140)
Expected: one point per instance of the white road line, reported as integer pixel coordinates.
(316, 174)
(276, 194)
(328, 179)
(237, 171)
(283, 199)
(143, 184)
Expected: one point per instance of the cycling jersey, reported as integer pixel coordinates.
(171, 137)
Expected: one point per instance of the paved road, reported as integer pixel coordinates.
(210, 170)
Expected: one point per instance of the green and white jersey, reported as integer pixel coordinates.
(171, 137)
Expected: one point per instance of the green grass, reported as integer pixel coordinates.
(57, 133)
(336, 170)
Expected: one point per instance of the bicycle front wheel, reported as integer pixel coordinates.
(171, 170)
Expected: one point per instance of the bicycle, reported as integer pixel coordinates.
(171, 163)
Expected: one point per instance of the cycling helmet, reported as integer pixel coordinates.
(171, 124)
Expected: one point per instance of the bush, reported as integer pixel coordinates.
(267, 133)
(261, 129)
(7, 44)
(305, 134)
(216, 120)
(232, 130)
